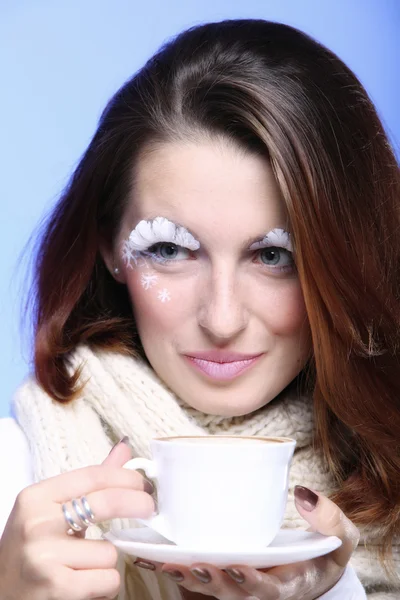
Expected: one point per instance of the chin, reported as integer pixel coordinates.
(224, 409)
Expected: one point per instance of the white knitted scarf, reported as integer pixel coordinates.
(123, 396)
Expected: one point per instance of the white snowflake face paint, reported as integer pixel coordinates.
(128, 255)
(149, 280)
(277, 238)
(164, 295)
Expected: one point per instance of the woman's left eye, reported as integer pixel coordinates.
(164, 251)
(275, 257)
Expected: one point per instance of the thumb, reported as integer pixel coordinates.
(120, 454)
(325, 517)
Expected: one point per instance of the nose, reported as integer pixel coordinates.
(222, 313)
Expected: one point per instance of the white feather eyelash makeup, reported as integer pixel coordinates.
(148, 233)
(160, 230)
(276, 238)
(154, 231)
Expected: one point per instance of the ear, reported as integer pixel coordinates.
(112, 261)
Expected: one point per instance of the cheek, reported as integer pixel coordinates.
(156, 301)
(284, 310)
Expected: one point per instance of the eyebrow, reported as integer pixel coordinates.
(250, 241)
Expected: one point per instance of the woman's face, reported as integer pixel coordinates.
(218, 304)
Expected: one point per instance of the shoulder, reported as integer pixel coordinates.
(15, 466)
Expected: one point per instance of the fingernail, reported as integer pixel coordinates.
(236, 575)
(148, 487)
(174, 575)
(305, 497)
(144, 564)
(124, 440)
(201, 574)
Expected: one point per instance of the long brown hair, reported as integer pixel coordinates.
(275, 90)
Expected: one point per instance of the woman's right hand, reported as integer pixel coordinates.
(39, 561)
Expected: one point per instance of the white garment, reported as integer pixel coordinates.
(122, 396)
(16, 471)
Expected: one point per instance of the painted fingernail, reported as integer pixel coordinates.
(305, 497)
(174, 575)
(124, 440)
(144, 564)
(201, 574)
(148, 487)
(236, 575)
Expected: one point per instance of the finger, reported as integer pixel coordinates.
(308, 579)
(79, 554)
(106, 505)
(258, 584)
(80, 482)
(121, 504)
(148, 565)
(205, 579)
(94, 583)
(120, 454)
(326, 517)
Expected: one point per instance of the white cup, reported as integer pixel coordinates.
(218, 491)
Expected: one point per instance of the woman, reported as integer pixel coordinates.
(225, 258)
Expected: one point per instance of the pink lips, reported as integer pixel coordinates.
(221, 365)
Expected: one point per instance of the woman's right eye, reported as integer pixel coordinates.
(167, 251)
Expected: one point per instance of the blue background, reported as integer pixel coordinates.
(61, 61)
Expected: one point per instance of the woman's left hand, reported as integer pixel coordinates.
(299, 581)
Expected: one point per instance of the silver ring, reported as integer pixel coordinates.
(80, 513)
(89, 513)
(68, 517)
(84, 513)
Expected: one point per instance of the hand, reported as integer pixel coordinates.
(300, 581)
(39, 561)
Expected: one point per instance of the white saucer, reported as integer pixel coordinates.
(289, 546)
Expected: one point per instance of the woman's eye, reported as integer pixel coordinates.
(276, 257)
(168, 251)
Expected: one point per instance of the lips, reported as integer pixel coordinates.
(221, 365)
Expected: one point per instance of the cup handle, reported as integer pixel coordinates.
(157, 522)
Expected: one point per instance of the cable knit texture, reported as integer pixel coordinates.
(123, 396)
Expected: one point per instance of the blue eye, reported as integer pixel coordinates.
(165, 251)
(276, 257)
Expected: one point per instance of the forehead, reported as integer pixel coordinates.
(209, 187)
